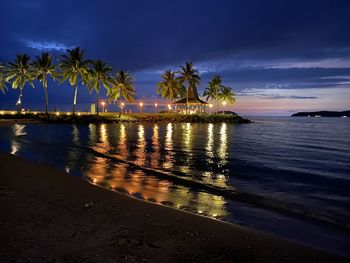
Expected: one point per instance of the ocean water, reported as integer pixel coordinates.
(286, 176)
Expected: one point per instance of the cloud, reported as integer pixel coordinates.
(47, 46)
(273, 91)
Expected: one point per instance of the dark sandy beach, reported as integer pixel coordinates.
(49, 216)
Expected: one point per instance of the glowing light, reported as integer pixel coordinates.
(156, 104)
(215, 215)
(224, 103)
(79, 113)
(12, 112)
(34, 112)
(68, 113)
(94, 180)
(211, 105)
(141, 104)
(103, 103)
(169, 106)
(122, 104)
(2, 113)
(57, 113)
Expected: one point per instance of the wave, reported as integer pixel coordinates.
(279, 206)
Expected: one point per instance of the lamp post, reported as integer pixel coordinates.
(122, 105)
(169, 107)
(141, 104)
(155, 107)
(103, 106)
(223, 106)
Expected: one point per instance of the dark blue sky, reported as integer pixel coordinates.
(278, 56)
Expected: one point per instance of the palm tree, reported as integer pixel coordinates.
(99, 76)
(169, 87)
(190, 76)
(43, 68)
(122, 87)
(210, 93)
(213, 89)
(2, 79)
(226, 94)
(73, 67)
(20, 73)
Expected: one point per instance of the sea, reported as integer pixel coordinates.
(287, 176)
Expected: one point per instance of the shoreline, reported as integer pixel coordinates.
(51, 215)
(126, 117)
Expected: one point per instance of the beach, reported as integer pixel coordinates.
(49, 216)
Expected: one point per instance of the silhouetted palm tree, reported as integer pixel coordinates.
(20, 73)
(2, 79)
(190, 76)
(43, 68)
(169, 87)
(73, 67)
(99, 76)
(212, 91)
(226, 94)
(122, 87)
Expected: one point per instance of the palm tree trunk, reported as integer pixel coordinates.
(19, 101)
(75, 99)
(120, 112)
(187, 106)
(217, 102)
(97, 104)
(46, 101)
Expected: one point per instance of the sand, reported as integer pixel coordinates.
(50, 216)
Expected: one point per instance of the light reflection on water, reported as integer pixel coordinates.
(169, 158)
(18, 130)
(119, 176)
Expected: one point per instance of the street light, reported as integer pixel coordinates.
(141, 104)
(122, 107)
(103, 106)
(155, 107)
(210, 106)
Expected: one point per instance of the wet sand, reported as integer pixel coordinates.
(50, 216)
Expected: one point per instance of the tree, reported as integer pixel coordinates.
(226, 94)
(99, 76)
(169, 87)
(190, 76)
(43, 68)
(122, 87)
(20, 73)
(213, 89)
(2, 79)
(73, 67)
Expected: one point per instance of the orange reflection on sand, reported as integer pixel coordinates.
(98, 170)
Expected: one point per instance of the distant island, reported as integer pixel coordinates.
(322, 114)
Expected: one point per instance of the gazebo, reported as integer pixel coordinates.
(191, 103)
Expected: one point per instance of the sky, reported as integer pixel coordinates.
(279, 57)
